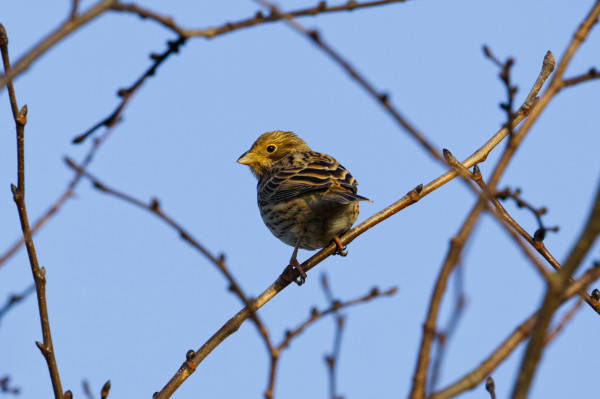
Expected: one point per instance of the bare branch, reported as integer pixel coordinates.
(381, 98)
(39, 274)
(68, 27)
(458, 242)
(565, 319)
(537, 212)
(476, 376)
(556, 286)
(412, 197)
(590, 75)
(74, 7)
(505, 68)
(126, 94)
(219, 261)
(339, 320)
(257, 19)
(443, 336)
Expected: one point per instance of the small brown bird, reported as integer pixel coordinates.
(306, 199)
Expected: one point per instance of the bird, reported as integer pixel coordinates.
(307, 199)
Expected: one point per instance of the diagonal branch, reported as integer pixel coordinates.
(381, 98)
(126, 94)
(232, 325)
(219, 261)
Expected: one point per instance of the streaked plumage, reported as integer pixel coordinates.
(305, 198)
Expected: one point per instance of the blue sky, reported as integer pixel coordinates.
(127, 297)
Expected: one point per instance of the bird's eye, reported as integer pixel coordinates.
(271, 148)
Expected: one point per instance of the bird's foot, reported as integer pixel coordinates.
(339, 249)
(287, 273)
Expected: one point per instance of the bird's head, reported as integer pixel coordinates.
(270, 148)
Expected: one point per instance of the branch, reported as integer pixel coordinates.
(443, 336)
(413, 196)
(154, 208)
(588, 235)
(62, 199)
(505, 68)
(565, 320)
(332, 360)
(316, 315)
(506, 221)
(537, 212)
(490, 387)
(475, 377)
(558, 285)
(590, 75)
(382, 98)
(74, 7)
(458, 242)
(60, 33)
(126, 94)
(257, 19)
(39, 274)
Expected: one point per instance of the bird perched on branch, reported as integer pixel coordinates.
(306, 199)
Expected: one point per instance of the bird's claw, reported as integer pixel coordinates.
(339, 249)
(294, 265)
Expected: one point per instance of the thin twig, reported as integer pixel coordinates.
(39, 274)
(590, 75)
(126, 94)
(339, 320)
(14, 299)
(74, 7)
(336, 306)
(490, 387)
(588, 235)
(314, 316)
(563, 322)
(537, 212)
(505, 76)
(444, 335)
(185, 34)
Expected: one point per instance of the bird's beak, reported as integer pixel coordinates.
(248, 158)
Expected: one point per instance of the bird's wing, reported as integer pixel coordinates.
(320, 174)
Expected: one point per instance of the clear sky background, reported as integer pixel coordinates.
(127, 297)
